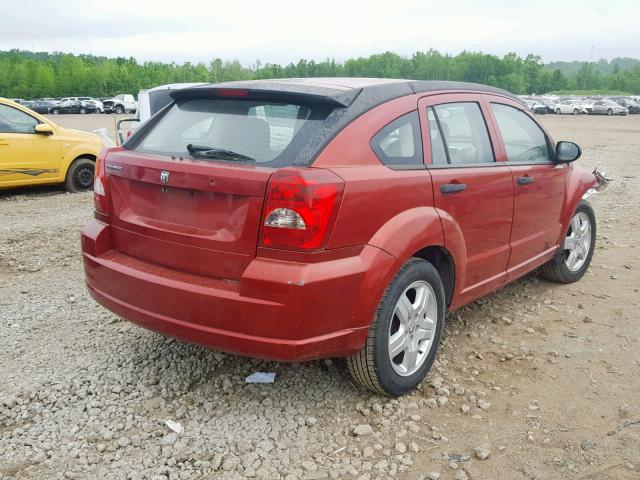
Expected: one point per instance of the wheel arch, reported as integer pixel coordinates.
(423, 232)
(579, 181)
(443, 262)
(74, 155)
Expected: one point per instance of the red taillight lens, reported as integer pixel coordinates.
(100, 199)
(300, 207)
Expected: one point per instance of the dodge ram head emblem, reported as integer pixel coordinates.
(164, 176)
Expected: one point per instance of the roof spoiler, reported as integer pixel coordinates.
(316, 95)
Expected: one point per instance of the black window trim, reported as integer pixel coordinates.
(495, 162)
(444, 140)
(417, 142)
(550, 147)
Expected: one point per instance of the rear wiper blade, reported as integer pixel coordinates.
(205, 151)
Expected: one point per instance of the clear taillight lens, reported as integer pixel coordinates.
(98, 187)
(285, 218)
(100, 200)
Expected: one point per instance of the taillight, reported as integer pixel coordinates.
(300, 208)
(100, 199)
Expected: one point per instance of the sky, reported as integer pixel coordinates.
(284, 31)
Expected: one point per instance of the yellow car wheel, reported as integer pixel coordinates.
(80, 175)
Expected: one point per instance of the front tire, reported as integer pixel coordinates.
(576, 111)
(574, 256)
(609, 112)
(119, 109)
(558, 111)
(405, 333)
(80, 175)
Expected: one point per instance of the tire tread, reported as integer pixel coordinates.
(69, 184)
(555, 269)
(361, 365)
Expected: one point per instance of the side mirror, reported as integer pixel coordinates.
(44, 129)
(567, 152)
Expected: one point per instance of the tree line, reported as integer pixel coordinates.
(26, 74)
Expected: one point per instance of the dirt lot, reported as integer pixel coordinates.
(545, 377)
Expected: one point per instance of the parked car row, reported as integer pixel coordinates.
(123, 103)
(574, 105)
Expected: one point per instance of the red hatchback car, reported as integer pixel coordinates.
(335, 217)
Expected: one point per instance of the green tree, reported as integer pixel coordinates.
(34, 74)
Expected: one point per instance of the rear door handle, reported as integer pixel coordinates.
(453, 187)
(526, 180)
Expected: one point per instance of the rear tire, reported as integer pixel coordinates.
(558, 111)
(564, 268)
(609, 112)
(576, 111)
(83, 111)
(80, 175)
(55, 111)
(417, 336)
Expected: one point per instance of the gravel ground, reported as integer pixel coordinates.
(538, 381)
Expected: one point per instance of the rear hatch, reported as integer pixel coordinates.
(187, 191)
(205, 219)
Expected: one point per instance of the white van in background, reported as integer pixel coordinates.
(150, 102)
(155, 99)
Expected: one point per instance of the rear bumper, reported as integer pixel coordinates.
(278, 310)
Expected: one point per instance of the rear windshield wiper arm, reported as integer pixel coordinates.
(205, 151)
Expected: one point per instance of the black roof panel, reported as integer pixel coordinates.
(339, 90)
(351, 97)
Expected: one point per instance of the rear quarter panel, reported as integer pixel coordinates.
(382, 207)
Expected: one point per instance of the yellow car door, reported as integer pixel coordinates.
(26, 157)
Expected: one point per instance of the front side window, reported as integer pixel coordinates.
(464, 132)
(524, 140)
(234, 130)
(13, 120)
(399, 144)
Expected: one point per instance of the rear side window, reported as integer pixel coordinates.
(399, 144)
(523, 139)
(255, 130)
(464, 132)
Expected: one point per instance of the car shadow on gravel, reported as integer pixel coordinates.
(172, 369)
(32, 191)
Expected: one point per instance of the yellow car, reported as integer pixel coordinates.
(36, 151)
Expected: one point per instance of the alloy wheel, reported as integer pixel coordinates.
(577, 242)
(412, 328)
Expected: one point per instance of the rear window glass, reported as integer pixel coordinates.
(254, 130)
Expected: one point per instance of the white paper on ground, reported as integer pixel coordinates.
(175, 426)
(261, 377)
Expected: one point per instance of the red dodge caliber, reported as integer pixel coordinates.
(306, 218)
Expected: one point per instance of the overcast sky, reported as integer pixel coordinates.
(284, 31)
